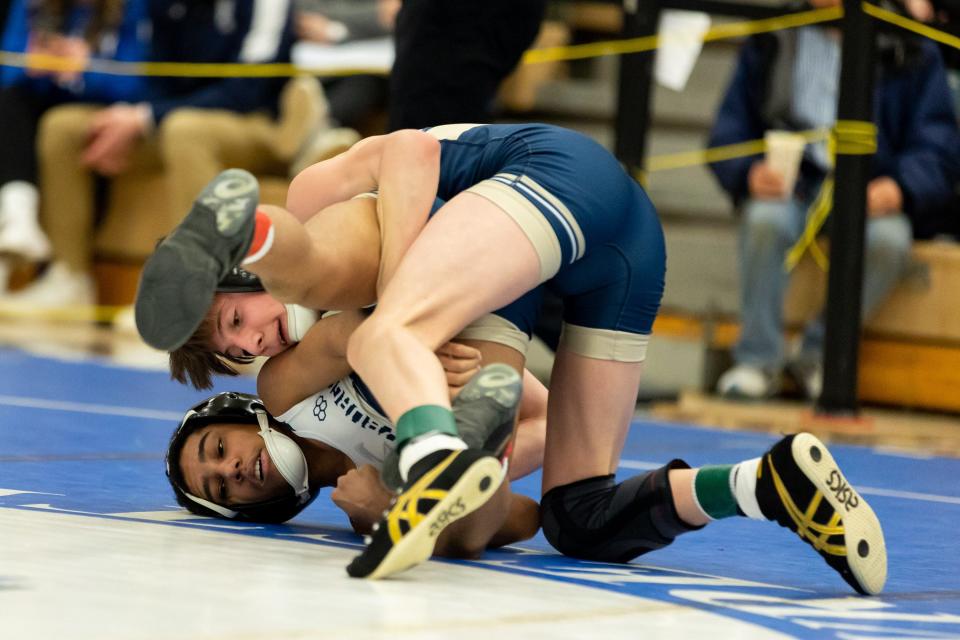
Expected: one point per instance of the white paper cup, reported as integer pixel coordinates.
(784, 152)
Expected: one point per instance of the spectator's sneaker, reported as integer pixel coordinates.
(801, 487)
(322, 145)
(24, 238)
(442, 488)
(746, 382)
(304, 111)
(181, 277)
(808, 374)
(58, 287)
(485, 410)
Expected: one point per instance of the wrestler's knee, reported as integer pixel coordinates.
(597, 519)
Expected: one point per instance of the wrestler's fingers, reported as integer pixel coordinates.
(459, 351)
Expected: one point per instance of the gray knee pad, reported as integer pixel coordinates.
(597, 519)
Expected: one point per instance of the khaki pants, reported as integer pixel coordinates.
(190, 146)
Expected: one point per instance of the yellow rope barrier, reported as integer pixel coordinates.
(648, 43)
(849, 137)
(102, 314)
(45, 62)
(683, 159)
(911, 25)
(534, 56)
(855, 138)
(816, 217)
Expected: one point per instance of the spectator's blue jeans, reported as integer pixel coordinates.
(769, 229)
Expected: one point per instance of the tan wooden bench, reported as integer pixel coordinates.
(910, 351)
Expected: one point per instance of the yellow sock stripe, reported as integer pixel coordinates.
(806, 526)
(406, 507)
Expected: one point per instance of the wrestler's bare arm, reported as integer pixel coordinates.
(340, 178)
(312, 365)
(408, 174)
(404, 166)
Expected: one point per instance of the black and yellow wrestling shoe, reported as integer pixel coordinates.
(180, 279)
(442, 488)
(800, 486)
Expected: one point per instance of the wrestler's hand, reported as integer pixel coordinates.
(460, 363)
(362, 496)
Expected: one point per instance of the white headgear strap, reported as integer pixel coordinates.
(213, 506)
(299, 320)
(284, 454)
(287, 457)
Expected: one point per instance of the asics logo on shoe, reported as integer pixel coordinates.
(494, 384)
(229, 214)
(446, 516)
(238, 186)
(842, 491)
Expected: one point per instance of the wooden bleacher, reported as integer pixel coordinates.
(910, 352)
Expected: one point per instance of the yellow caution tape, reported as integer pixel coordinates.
(45, 62)
(911, 25)
(651, 42)
(850, 137)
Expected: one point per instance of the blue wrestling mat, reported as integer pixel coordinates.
(88, 439)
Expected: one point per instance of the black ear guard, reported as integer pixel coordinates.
(228, 407)
(240, 281)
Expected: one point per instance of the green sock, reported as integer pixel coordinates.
(427, 418)
(713, 489)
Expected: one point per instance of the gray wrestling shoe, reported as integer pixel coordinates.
(180, 278)
(485, 410)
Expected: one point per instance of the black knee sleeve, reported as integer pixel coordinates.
(597, 519)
